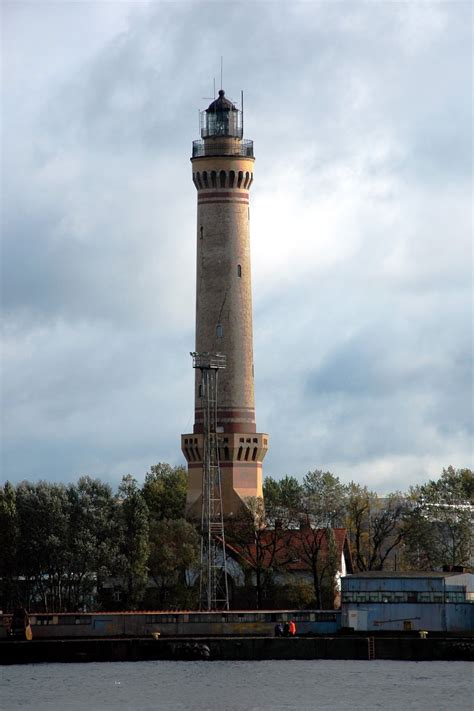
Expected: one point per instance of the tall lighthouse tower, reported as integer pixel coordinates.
(222, 164)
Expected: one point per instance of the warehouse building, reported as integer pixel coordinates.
(394, 601)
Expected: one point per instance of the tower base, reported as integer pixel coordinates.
(240, 458)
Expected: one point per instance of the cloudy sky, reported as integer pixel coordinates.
(361, 232)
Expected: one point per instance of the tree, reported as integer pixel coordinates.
(133, 520)
(91, 541)
(293, 594)
(263, 549)
(174, 553)
(283, 494)
(54, 510)
(375, 526)
(440, 522)
(387, 531)
(42, 555)
(164, 491)
(316, 547)
(29, 549)
(360, 502)
(324, 498)
(460, 482)
(9, 537)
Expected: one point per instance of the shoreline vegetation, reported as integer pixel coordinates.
(84, 547)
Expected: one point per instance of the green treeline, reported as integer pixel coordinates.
(84, 546)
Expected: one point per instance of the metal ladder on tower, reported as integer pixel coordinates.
(213, 586)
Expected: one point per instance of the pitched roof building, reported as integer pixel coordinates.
(318, 556)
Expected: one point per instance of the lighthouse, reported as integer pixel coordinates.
(222, 172)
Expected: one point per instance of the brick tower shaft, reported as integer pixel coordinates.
(222, 166)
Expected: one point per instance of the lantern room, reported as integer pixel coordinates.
(221, 118)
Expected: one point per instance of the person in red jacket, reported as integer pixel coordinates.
(292, 629)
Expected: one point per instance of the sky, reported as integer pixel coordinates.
(361, 232)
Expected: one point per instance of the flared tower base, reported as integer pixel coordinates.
(241, 457)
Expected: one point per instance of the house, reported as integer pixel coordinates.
(317, 557)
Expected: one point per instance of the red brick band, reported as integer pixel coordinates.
(223, 194)
(235, 412)
(228, 465)
(240, 197)
(212, 201)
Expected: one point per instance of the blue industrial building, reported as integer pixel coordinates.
(394, 601)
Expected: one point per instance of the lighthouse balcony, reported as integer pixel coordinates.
(239, 147)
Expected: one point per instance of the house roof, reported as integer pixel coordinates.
(406, 574)
(289, 548)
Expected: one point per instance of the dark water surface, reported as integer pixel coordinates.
(238, 686)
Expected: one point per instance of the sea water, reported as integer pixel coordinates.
(238, 686)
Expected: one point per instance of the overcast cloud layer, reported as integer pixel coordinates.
(361, 231)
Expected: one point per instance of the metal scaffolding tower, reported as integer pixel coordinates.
(213, 588)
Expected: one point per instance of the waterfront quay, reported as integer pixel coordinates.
(238, 649)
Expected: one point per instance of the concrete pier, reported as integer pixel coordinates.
(244, 648)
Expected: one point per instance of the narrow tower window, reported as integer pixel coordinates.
(231, 179)
(204, 178)
(222, 178)
(241, 177)
(214, 179)
(239, 270)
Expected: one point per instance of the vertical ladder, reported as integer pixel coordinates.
(213, 587)
(371, 645)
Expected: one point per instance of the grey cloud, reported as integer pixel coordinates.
(360, 227)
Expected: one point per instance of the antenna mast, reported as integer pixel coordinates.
(213, 588)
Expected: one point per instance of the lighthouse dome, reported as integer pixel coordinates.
(221, 104)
